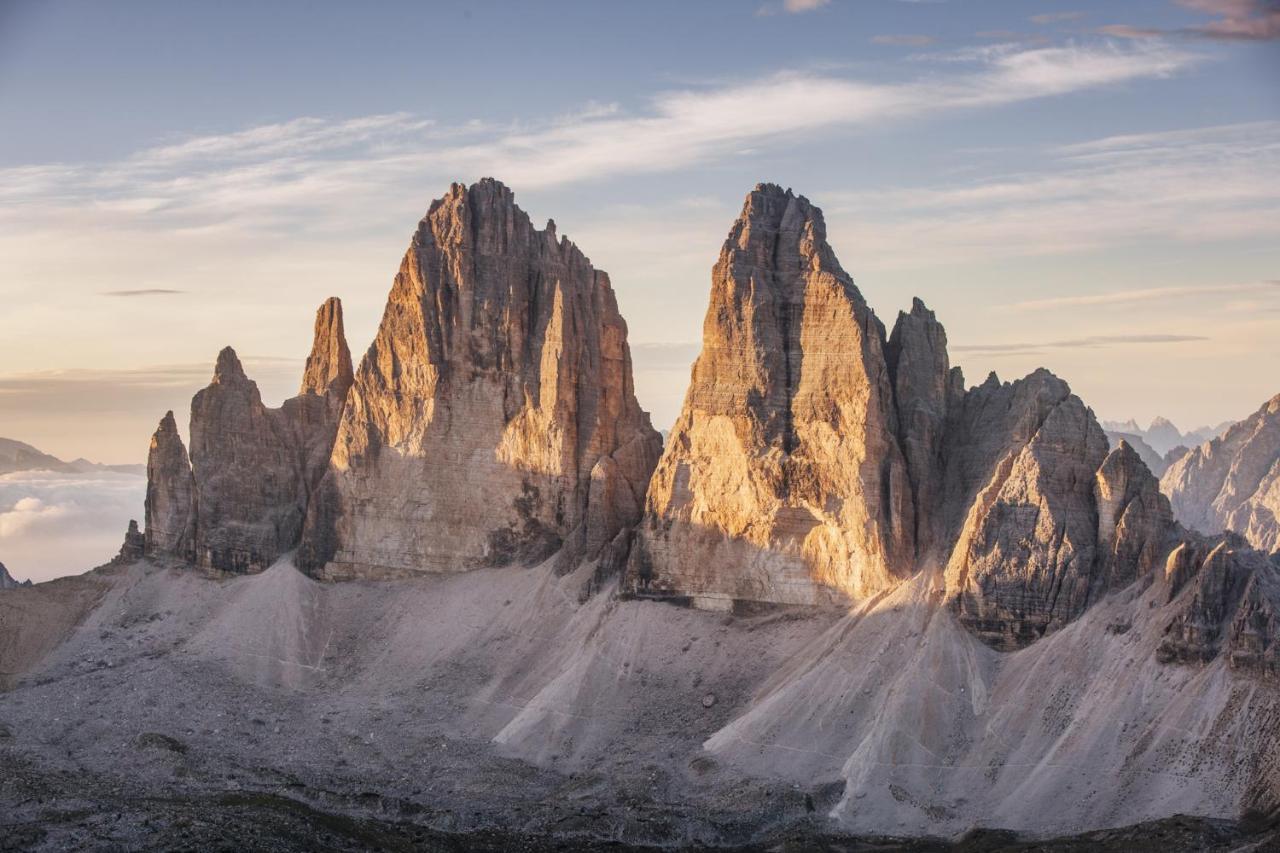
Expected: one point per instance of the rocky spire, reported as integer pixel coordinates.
(1135, 525)
(328, 369)
(493, 408)
(250, 497)
(927, 391)
(169, 519)
(783, 479)
(241, 500)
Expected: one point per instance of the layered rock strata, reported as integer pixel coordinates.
(817, 461)
(493, 419)
(239, 499)
(1233, 481)
(783, 479)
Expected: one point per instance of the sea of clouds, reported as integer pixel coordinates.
(64, 524)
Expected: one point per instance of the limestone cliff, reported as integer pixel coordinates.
(1233, 482)
(493, 419)
(238, 501)
(1021, 463)
(169, 520)
(250, 497)
(1229, 603)
(816, 461)
(783, 479)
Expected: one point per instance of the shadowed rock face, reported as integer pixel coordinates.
(249, 492)
(783, 480)
(1233, 481)
(170, 523)
(493, 419)
(1229, 600)
(1021, 464)
(240, 500)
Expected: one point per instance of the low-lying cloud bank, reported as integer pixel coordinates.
(53, 525)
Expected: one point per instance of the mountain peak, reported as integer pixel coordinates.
(328, 366)
(228, 367)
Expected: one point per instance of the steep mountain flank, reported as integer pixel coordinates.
(239, 500)
(493, 419)
(816, 461)
(783, 479)
(1233, 481)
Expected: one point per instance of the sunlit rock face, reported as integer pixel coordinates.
(783, 479)
(1233, 481)
(493, 419)
(239, 501)
(817, 461)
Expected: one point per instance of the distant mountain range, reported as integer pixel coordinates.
(19, 456)
(1163, 436)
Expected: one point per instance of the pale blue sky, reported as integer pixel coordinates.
(1067, 185)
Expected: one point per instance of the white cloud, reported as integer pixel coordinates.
(798, 6)
(1192, 186)
(59, 524)
(904, 39)
(290, 172)
(1146, 294)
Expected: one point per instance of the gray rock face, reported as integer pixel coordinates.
(1021, 465)
(783, 480)
(134, 546)
(1230, 599)
(816, 461)
(241, 499)
(250, 494)
(493, 419)
(1233, 481)
(1135, 524)
(169, 520)
(7, 580)
(929, 394)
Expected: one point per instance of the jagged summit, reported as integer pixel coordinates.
(783, 480)
(237, 499)
(328, 369)
(227, 368)
(494, 417)
(818, 461)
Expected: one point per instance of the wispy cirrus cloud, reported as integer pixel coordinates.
(1235, 20)
(1055, 17)
(904, 39)
(293, 170)
(144, 291)
(1196, 186)
(1146, 294)
(1088, 342)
